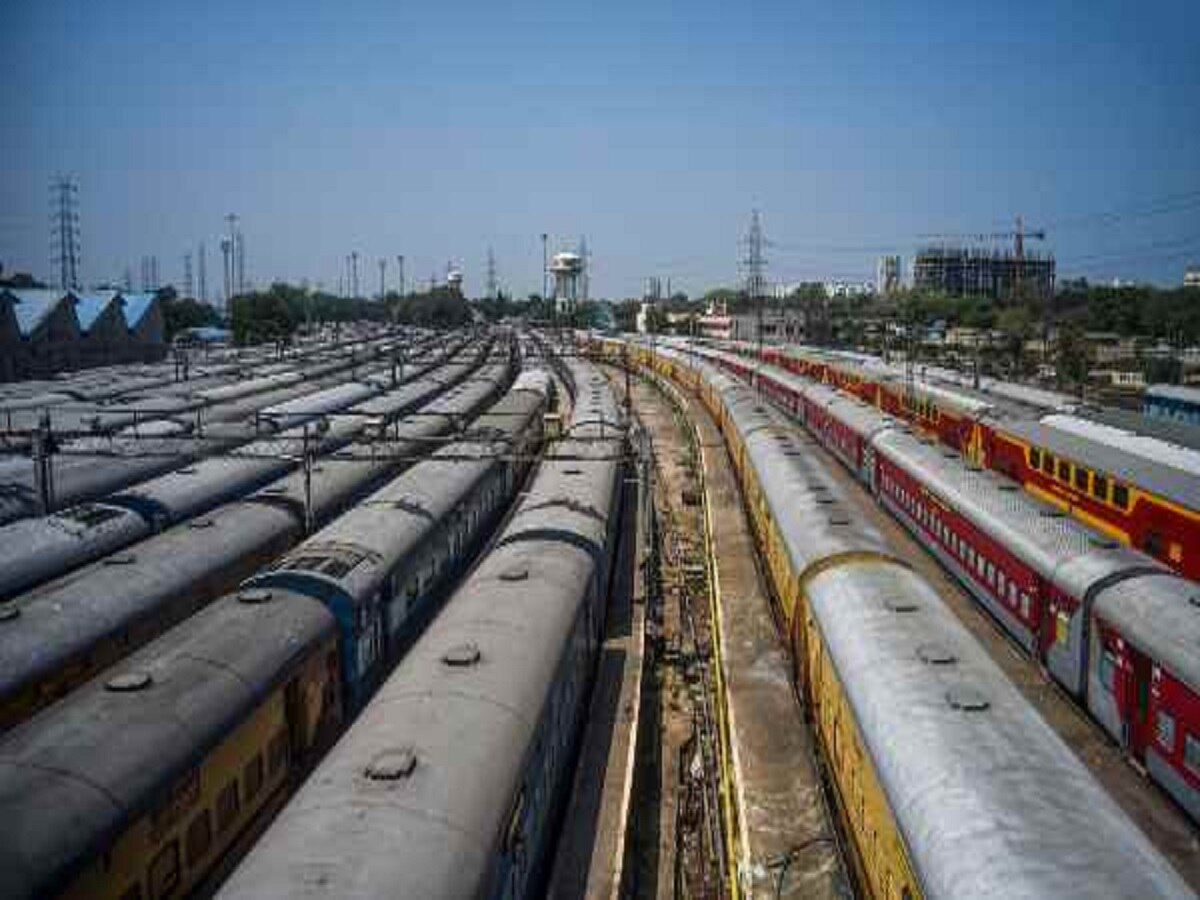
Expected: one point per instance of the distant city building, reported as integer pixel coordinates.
(848, 288)
(779, 326)
(961, 271)
(887, 274)
(716, 323)
(1191, 278)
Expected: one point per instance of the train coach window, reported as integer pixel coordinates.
(1064, 470)
(164, 871)
(1108, 671)
(1048, 463)
(1191, 753)
(253, 775)
(227, 805)
(1100, 487)
(277, 753)
(1035, 458)
(199, 837)
(1081, 478)
(1120, 495)
(1165, 730)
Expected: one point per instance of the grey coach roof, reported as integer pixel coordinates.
(990, 801)
(1180, 485)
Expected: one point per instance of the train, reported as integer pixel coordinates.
(947, 783)
(453, 779)
(1112, 626)
(1139, 489)
(151, 779)
(46, 546)
(64, 632)
(103, 448)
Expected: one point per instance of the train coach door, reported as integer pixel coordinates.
(1141, 725)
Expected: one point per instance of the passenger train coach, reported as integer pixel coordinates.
(1140, 490)
(948, 784)
(151, 778)
(1114, 627)
(453, 780)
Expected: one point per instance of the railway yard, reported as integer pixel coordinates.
(500, 612)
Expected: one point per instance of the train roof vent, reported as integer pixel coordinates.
(186, 470)
(839, 519)
(573, 471)
(967, 699)
(10, 611)
(462, 655)
(936, 655)
(201, 523)
(901, 604)
(392, 765)
(517, 573)
(825, 500)
(1194, 600)
(254, 596)
(120, 559)
(128, 682)
(1006, 486)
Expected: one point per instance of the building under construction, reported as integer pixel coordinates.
(987, 272)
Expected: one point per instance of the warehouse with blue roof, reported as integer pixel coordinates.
(44, 331)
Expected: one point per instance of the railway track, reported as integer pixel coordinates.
(1161, 819)
(764, 790)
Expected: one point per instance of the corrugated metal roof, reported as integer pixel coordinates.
(90, 307)
(34, 305)
(135, 307)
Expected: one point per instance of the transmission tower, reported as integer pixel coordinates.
(187, 275)
(756, 266)
(64, 216)
(492, 290)
(354, 273)
(382, 277)
(400, 263)
(231, 257)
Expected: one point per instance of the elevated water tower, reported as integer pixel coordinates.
(568, 271)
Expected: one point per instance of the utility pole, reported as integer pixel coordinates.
(545, 268)
(226, 251)
(232, 286)
(354, 274)
(382, 277)
(491, 275)
(400, 263)
(201, 275)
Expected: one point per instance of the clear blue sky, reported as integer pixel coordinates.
(438, 129)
